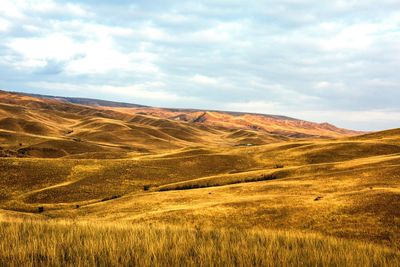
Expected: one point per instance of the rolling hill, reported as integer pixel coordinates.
(301, 184)
(50, 127)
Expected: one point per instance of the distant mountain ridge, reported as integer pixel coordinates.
(107, 103)
(66, 125)
(86, 101)
(115, 104)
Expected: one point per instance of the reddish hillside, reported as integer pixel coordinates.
(55, 127)
(278, 125)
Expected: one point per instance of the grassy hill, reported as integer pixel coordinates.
(313, 191)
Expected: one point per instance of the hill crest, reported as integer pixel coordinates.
(46, 126)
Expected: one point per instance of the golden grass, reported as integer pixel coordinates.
(120, 244)
(345, 188)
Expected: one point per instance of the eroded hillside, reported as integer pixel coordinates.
(51, 128)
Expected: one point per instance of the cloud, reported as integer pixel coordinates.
(354, 119)
(146, 91)
(358, 120)
(305, 58)
(358, 36)
(55, 46)
(4, 25)
(219, 33)
(10, 9)
(52, 67)
(96, 54)
(101, 57)
(22, 8)
(262, 107)
(204, 80)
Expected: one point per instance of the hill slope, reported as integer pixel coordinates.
(56, 127)
(201, 169)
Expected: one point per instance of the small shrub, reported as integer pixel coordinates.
(266, 177)
(110, 198)
(40, 209)
(279, 166)
(77, 206)
(22, 151)
(146, 187)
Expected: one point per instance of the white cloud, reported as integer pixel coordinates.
(174, 18)
(381, 83)
(366, 120)
(4, 25)
(204, 80)
(255, 107)
(11, 9)
(102, 57)
(76, 10)
(143, 91)
(325, 85)
(89, 30)
(359, 36)
(32, 28)
(96, 54)
(20, 8)
(227, 33)
(147, 32)
(55, 46)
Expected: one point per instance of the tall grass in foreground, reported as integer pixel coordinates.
(91, 244)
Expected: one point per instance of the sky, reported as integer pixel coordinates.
(334, 61)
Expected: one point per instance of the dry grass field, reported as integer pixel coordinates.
(90, 244)
(110, 186)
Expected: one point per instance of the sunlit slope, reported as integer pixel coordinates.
(96, 179)
(198, 168)
(51, 128)
(344, 188)
(276, 125)
(34, 127)
(31, 120)
(69, 180)
(389, 136)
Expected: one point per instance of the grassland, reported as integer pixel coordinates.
(90, 244)
(102, 186)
